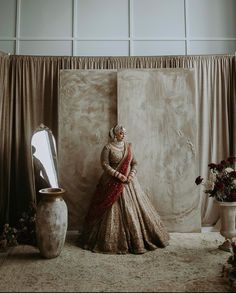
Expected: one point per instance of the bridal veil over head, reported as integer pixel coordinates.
(114, 130)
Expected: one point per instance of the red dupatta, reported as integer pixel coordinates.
(104, 198)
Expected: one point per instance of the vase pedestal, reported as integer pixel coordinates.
(227, 218)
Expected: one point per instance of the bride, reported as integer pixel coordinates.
(121, 218)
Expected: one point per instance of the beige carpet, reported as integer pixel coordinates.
(191, 263)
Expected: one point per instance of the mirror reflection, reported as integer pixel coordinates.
(44, 159)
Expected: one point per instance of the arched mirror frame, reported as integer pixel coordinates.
(44, 159)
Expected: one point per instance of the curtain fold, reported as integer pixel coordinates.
(6, 105)
(29, 97)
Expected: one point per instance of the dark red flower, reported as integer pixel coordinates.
(224, 162)
(212, 166)
(232, 174)
(219, 167)
(219, 186)
(198, 180)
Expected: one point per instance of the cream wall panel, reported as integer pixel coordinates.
(158, 18)
(46, 18)
(7, 46)
(7, 18)
(212, 18)
(102, 48)
(157, 107)
(212, 47)
(45, 48)
(87, 111)
(103, 18)
(147, 48)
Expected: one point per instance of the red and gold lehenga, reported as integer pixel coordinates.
(121, 218)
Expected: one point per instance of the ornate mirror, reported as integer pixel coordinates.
(44, 158)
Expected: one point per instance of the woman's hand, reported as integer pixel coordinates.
(130, 178)
(123, 178)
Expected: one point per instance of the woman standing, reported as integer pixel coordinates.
(121, 218)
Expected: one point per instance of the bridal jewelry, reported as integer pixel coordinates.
(119, 145)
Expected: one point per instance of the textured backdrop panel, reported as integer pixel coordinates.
(157, 107)
(87, 110)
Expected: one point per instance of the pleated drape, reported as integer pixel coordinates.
(29, 96)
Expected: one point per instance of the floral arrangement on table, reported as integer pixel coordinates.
(221, 183)
(23, 233)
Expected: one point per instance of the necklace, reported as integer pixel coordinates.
(118, 145)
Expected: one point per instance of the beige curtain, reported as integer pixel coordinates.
(29, 96)
(5, 141)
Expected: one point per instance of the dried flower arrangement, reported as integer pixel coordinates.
(23, 233)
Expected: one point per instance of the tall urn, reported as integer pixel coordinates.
(51, 222)
(227, 218)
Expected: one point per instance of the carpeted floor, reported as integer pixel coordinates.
(191, 263)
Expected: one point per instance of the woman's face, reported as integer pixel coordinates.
(120, 135)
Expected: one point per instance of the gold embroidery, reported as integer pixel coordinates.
(131, 225)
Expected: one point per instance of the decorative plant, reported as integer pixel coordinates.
(26, 226)
(24, 233)
(8, 237)
(221, 183)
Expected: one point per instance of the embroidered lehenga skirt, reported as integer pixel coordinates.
(131, 225)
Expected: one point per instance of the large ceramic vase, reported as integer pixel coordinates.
(51, 222)
(227, 218)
